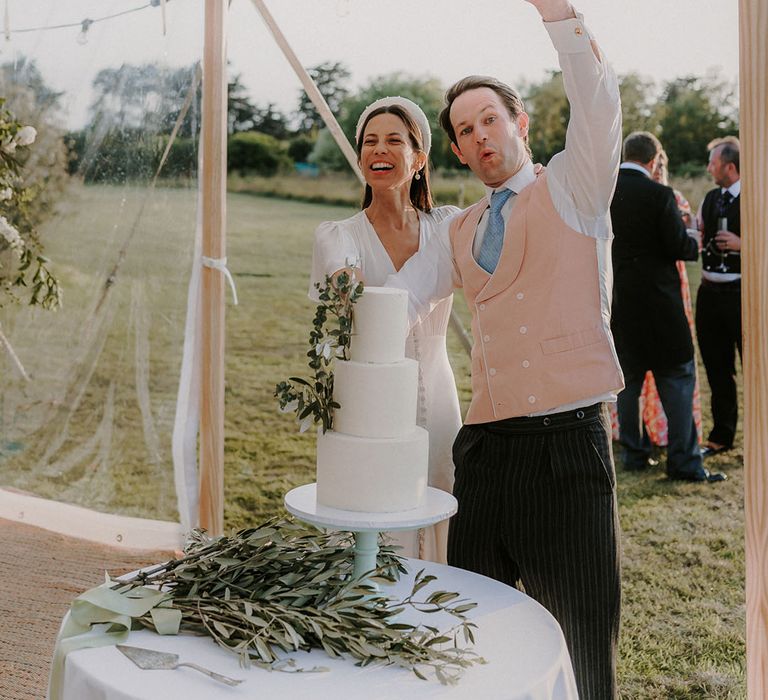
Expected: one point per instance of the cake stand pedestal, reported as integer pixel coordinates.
(302, 502)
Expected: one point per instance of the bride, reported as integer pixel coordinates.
(393, 140)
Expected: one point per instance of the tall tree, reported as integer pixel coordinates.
(146, 96)
(548, 108)
(638, 102)
(270, 120)
(692, 112)
(331, 80)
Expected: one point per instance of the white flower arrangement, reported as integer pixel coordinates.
(25, 136)
(11, 235)
(24, 273)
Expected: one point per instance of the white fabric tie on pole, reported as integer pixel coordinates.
(220, 264)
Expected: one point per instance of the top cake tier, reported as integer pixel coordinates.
(379, 325)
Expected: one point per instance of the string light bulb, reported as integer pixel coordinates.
(82, 37)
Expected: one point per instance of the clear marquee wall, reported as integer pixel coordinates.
(92, 423)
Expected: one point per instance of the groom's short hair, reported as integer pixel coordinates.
(509, 96)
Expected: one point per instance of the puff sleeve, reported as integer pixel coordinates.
(334, 249)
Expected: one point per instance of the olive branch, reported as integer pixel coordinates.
(287, 587)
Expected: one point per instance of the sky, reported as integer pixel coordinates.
(447, 39)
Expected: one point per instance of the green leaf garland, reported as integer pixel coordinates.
(312, 399)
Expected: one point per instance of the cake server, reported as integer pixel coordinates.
(151, 660)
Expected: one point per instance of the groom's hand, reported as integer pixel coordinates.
(553, 10)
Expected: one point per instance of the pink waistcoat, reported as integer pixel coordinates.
(539, 338)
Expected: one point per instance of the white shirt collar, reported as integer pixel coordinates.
(627, 165)
(519, 181)
(734, 189)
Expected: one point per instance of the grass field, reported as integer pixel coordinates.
(683, 577)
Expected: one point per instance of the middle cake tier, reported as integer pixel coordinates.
(377, 400)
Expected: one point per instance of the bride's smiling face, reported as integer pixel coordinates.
(387, 157)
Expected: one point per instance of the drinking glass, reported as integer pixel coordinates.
(722, 225)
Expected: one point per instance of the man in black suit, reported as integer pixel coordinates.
(718, 304)
(648, 318)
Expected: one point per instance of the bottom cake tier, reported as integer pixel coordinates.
(372, 475)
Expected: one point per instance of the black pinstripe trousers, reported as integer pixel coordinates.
(537, 507)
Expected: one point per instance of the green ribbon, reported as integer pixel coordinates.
(102, 616)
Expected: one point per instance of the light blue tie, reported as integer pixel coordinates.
(490, 249)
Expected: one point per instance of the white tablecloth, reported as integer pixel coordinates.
(523, 644)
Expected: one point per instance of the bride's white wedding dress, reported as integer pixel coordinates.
(353, 241)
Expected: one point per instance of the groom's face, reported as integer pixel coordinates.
(488, 139)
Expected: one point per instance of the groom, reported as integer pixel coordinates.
(535, 478)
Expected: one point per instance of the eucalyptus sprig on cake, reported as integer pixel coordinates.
(286, 586)
(312, 399)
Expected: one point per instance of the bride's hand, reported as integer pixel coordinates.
(354, 275)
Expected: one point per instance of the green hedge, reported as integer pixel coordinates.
(260, 154)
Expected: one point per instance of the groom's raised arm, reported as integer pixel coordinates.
(585, 173)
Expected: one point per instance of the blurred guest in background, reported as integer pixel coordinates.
(653, 417)
(718, 304)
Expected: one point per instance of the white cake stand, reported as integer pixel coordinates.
(302, 502)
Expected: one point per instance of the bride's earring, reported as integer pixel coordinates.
(417, 176)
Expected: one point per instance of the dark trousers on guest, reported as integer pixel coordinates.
(537, 506)
(718, 330)
(675, 386)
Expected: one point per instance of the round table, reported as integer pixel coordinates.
(526, 654)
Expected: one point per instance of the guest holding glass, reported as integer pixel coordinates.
(718, 304)
(398, 217)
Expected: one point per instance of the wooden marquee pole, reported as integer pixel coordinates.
(213, 193)
(753, 65)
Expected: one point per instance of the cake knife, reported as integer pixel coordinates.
(150, 660)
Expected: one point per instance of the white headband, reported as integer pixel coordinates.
(414, 111)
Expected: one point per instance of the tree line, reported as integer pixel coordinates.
(686, 113)
(135, 108)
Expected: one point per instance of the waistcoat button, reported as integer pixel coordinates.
(486, 338)
(531, 399)
(547, 420)
(492, 372)
(520, 295)
(526, 363)
(481, 307)
(523, 330)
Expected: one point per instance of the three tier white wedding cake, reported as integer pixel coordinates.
(376, 458)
